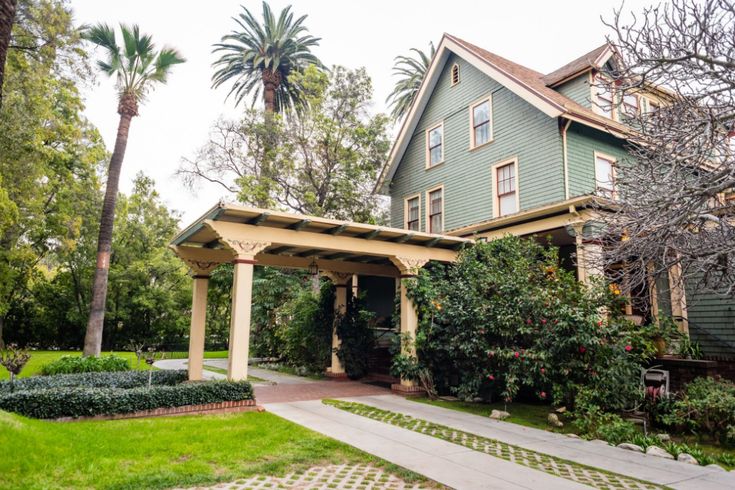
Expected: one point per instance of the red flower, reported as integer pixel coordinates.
(491, 377)
(543, 370)
(542, 395)
(599, 324)
(628, 348)
(556, 321)
(543, 321)
(482, 331)
(516, 354)
(582, 349)
(528, 321)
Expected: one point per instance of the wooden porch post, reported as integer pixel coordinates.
(342, 282)
(408, 267)
(242, 293)
(200, 274)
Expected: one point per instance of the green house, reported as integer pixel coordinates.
(490, 147)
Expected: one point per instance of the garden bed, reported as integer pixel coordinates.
(108, 394)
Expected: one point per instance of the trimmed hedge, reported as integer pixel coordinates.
(71, 364)
(119, 379)
(60, 402)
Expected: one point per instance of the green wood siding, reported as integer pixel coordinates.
(578, 89)
(582, 143)
(519, 129)
(711, 321)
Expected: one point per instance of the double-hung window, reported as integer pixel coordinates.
(436, 210)
(413, 206)
(481, 120)
(630, 105)
(435, 145)
(603, 102)
(506, 190)
(605, 175)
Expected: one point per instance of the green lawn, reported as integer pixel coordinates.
(161, 452)
(41, 357)
(527, 414)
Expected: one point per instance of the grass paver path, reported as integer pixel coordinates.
(576, 472)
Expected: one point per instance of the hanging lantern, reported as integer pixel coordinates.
(313, 268)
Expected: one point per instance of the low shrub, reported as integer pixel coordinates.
(120, 379)
(79, 364)
(596, 424)
(707, 407)
(54, 403)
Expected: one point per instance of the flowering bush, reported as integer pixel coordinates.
(506, 318)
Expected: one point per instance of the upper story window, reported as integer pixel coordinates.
(631, 103)
(436, 210)
(481, 122)
(653, 106)
(506, 188)
(435, 145)
(603, 102)
(413, 206)
(455, 74)
(605, 175)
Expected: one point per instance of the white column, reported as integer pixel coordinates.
(342, 281)
(198, 326)
(242, 292)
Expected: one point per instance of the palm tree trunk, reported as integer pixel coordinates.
(93, 338)
(7, 16)
(271, 81)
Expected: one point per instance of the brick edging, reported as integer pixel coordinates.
(216, 407)
(403, 390)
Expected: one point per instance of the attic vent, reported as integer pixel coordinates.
(455, 74)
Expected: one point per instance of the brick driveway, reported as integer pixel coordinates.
(317, 390)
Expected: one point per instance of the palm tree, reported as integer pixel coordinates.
(260, 57)
(7, 15)
(411, 71)
(137, 66)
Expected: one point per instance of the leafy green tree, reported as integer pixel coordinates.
(261, 58)
(7, 16)
(507, 319)
(137, 67)
(49, 154)
(326, 161)
(410, 71)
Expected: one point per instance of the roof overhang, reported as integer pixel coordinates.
(297, 241)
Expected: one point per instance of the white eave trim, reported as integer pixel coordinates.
(548, 107)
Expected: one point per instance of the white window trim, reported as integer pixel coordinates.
(613, 161)
(496, 200)
(405, 209)
(426, 146)
(451, 75)
(428, 209)
(596, 103)
(489, 100)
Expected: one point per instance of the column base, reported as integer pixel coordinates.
(403, 390)
(336, 376)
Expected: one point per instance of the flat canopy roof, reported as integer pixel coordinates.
(296, 240)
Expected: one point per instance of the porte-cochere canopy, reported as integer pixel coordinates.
(247, 236)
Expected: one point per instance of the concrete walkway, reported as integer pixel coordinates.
(444, 462)
(649, 468)
(272, 377)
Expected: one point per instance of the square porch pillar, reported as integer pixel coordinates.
(589, 255)
(342, 282)
(200, 275)
(242, 294)
(198, 326)
(408, 267)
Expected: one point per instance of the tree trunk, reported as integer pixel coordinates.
(7, 16)
(2, 324)
(271, 81)
(93, 338)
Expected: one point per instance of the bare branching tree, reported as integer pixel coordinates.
(674, 195)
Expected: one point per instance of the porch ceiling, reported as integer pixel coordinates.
(295, 240)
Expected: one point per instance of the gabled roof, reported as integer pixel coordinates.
(528, 84)
(594, 59)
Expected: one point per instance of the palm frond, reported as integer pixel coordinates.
(275, 43)
(410, 71)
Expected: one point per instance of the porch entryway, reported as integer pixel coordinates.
(338, 250)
